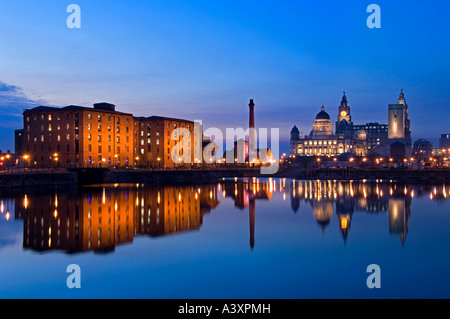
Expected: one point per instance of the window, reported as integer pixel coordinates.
(49, 117)
(157, 142)
(68, 126)
(109, 138)
(59, 138)
(99, 118)
(99, 138)
(99, 148)
(68, 137)
(90, 148)
(99, 127)
(89, 137)
(89, 116)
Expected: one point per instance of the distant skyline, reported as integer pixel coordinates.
(205, 59)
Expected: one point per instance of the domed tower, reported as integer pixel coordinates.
(322, 127)
(344, 117)
(295, 138)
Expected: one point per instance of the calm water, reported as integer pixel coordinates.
(252, 238)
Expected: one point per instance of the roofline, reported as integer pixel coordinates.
(155, 117)
(73, 107)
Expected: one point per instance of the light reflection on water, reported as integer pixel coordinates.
(103, 217)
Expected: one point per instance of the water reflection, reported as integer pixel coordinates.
(99, 218)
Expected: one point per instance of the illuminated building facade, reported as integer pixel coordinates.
(322, 142)
(376, 134)
(76, 136)
(155, 138)
(359, 140)
(398, 144)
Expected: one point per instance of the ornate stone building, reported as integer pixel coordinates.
(322, 142)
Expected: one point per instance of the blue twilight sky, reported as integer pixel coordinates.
(205, 59)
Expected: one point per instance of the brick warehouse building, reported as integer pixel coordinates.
(77, 136)
(153, 143)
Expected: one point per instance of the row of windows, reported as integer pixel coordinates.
(99, 138)
(320, 142)
(99, 148)
(99, 118)
(99, 128)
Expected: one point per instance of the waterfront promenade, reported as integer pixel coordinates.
(54, 177)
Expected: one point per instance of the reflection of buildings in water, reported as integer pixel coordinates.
(162, 211)
(353, 197)
(95, 220)
(323, 211)
(100, 219)
(245, 193)
(242, 191)
(399, 213)
(344, 211)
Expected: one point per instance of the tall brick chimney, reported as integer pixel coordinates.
(252, 114)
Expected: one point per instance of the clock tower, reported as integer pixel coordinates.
(344, 117)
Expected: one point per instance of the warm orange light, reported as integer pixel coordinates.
(352, 159)
(391, 160)
(344, 223)
(8, 156)
(364, 159)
